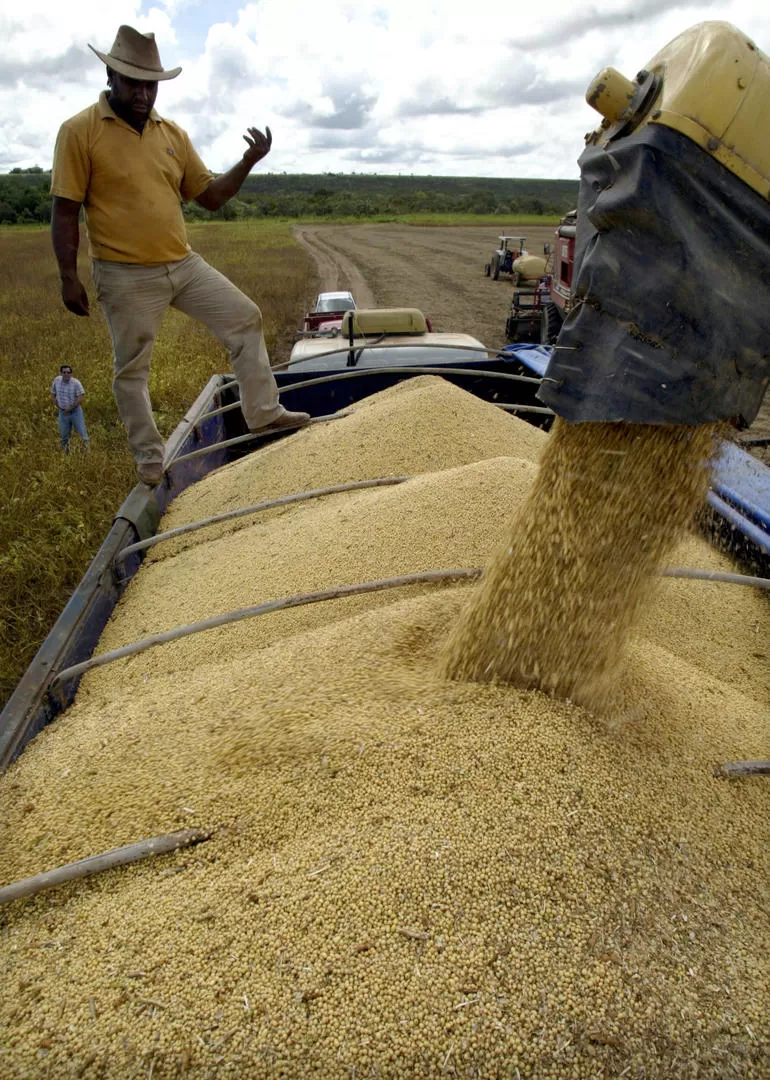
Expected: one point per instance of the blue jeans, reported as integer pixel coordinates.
(68, 421)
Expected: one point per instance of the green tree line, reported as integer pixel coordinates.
(25, 198)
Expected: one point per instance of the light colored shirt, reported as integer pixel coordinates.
(66, 393)
(130, 184)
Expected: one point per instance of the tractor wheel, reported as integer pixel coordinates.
(550, 324)
(495, 266)
(487, 269)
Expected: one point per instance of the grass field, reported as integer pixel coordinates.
(56, 508)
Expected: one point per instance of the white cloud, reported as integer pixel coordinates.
(375, 85)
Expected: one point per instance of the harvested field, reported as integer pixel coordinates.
(437, 269)
(407, 876)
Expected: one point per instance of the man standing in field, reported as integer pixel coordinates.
(68, 394)
(129, 169)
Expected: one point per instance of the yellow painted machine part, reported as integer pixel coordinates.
(716, 91)
(385, 321)
(610, 94)
(529, 266)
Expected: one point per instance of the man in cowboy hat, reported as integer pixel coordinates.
(129, 169)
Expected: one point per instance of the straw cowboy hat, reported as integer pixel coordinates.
(136, 55)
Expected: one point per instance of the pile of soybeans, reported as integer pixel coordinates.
(408, 875)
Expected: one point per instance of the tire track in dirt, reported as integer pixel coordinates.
(335, 269)
(438, 270)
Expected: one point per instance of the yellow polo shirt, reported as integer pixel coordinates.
(130, 184)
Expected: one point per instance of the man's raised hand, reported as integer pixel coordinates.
(259, 145)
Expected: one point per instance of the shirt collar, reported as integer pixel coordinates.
(106, 113)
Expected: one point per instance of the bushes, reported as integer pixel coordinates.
(24, 197)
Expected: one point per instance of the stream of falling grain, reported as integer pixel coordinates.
(563, 589)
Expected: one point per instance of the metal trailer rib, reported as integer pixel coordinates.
(718, 575)
(263, 433)
(425, 577)
(759, 537)
(360, 345)
(732, 769)
(106, 860)
(540, 409)
(523, 408)
(396, 371)
(358, 485)
(243, 511)
(361, 372)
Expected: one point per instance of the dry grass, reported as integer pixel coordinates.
(56, 509)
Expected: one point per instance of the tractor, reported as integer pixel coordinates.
(511, 248)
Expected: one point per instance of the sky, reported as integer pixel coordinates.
(411, 87)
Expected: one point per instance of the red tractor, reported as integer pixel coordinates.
(559, 300)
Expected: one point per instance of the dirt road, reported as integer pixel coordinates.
(439, 270)
(336, 271)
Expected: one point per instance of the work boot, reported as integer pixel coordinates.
(150, 472)
(287, 419)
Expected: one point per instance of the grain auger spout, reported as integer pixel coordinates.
(671, 320)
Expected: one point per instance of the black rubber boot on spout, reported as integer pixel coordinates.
(671, 323)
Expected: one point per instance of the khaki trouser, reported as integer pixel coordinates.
(134, 299)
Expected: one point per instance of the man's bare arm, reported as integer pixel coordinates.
(222, 188)
(65, 237)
